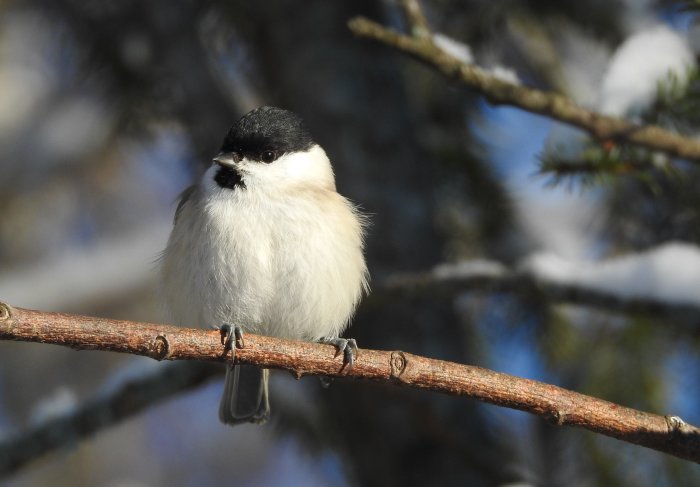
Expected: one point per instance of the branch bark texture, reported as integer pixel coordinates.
(164, 342)
(550, 104)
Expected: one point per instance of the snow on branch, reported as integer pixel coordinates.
(559, 406)
(663, 281)
(502, 91)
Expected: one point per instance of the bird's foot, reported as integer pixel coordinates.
(346, 346)
(231, 334)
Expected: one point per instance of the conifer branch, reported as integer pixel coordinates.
(603, 128)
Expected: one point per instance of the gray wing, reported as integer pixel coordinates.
(184, 198)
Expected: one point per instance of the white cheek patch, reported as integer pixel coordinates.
(311, 166)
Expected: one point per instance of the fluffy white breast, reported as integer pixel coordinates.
(281, 256)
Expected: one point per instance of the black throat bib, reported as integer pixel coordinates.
(228, 177)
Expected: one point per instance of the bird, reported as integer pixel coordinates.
(263, 243)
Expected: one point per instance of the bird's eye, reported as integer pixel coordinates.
(268, 156)
(237, 155)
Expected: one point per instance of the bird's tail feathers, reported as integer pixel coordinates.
(245, 398)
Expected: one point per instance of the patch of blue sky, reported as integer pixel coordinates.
(514, 140)
(162, 162)
(681, 379)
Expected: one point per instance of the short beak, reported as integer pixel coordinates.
(225, 159)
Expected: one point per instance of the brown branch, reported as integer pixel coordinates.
(165, 342)
(133, 396)
(550, 104)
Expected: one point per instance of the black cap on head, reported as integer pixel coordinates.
(268, 128)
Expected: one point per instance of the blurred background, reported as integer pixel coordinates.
(109, 109)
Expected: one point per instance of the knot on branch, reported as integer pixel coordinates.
(5, 312)
(555, 417)
(160, 347)
(398, 364)
(675, 424)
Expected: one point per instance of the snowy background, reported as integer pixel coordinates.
(108, 111)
